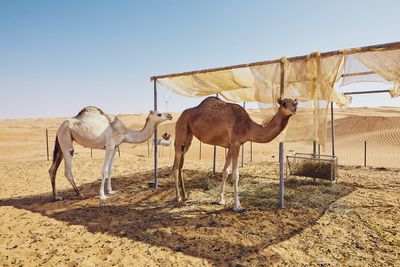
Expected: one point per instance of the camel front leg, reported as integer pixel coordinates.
(235, 176)
(110, 170)
(106, 169)
(225, 173)
(176, 173)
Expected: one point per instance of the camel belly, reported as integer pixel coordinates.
(221, 143)
(218, 138)
(91, 133)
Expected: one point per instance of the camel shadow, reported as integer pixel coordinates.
(197, 227)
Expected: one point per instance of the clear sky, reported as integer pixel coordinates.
(59, 56)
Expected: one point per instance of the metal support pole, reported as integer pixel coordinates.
(244, 106)
(242, 156)
(281, 177)
(47, 144)
(251, 151)
(148, 147)
(155, 139)
(365, 153)
(314, 149)
(367, 92)
(200, 152)
(281, 157)
(91, 153)
(215, 156)
(332, 131)
(215, 153)
(119, 152)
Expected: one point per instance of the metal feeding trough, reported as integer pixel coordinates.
(313, 166)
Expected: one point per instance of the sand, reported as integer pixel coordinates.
(352, 222)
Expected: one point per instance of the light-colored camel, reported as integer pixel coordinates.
(228, 125)
(94, 129)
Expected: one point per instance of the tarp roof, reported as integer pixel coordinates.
(309, 78)
(259, 81)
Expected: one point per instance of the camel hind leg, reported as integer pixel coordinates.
(65, 140)
(57, 158)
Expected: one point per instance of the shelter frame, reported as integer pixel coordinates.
(389, 46)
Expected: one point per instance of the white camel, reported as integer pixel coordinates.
(94, 129)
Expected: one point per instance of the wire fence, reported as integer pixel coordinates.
(368, 152)
(373, 150)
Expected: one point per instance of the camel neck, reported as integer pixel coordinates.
(133, 136)
(264, 134)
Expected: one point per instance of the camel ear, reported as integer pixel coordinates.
(151, 112)
(279, 101)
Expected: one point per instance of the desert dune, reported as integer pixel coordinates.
(354, 221)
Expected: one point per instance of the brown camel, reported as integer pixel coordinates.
(228, 125)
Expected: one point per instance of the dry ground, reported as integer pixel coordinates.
(352, 222)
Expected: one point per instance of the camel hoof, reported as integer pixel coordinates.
(80, 194)
(178, 199)
(112, 192)
(221, 202)
(56, 198)
(102, 197)
(184, 198)
(239, 209)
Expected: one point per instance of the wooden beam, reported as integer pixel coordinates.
(386, 46)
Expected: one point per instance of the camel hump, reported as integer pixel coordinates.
(217, 105)
(90, 109)
(211, 100)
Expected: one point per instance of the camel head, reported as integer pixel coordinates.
(288, 106)
(158, 117)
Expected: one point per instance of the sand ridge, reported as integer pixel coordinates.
(353, 222)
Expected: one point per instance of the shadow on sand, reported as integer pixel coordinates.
(197, 227)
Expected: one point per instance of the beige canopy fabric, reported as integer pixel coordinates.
(375, 66)
(261, 83)
(309, 79)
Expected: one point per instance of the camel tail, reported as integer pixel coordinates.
(57, 150)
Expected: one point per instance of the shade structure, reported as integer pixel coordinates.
(310, 79)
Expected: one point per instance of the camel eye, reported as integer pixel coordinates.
(159, 115)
